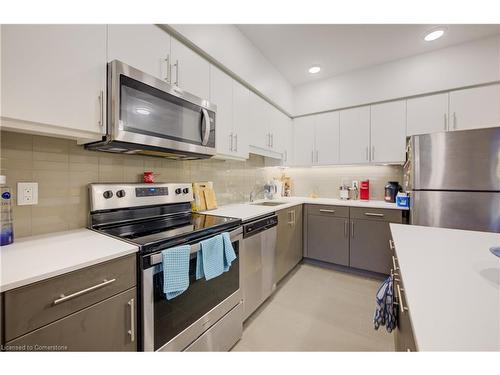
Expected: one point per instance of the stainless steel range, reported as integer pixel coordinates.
(209, 314)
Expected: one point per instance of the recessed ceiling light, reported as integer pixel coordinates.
(434, 34)
(143, 111)
(314, 69)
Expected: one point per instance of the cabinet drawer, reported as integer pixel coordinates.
(382, 214)
(30, 307)
(327, 210)
(109, 325)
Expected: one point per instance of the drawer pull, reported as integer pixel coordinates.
(64, 298)
(394, 263)
(327, 211)
(391, 244)
(373, 214)
(131, 331)
(402, 307)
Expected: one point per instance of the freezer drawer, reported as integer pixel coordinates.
(459, 210)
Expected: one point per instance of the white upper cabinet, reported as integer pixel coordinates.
(354, 135)
(326, 138)
(259, 126)
(54, 79)
(190, 71)
(221, 94)
(388, 133)
(303, 141)
(475, 108)
(286, 139)
(427, 114)
(144, 47)
(241, 120)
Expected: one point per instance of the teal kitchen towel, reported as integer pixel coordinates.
(175, 262)
(215, 257)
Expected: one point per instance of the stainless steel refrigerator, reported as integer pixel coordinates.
(453, 179)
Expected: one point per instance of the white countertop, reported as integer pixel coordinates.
(33, 259)
(247, 211)
(452, 287)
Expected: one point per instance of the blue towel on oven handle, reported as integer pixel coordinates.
(175, 264)
(385, 311)
(215, 256)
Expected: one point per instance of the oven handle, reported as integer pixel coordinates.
(205, 126)
(157, 258)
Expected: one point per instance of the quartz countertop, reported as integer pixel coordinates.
(452, 287)
(248, 211)
(33, 259)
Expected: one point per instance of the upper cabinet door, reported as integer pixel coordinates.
(475, 108)
(55, 75)
(303, 141)
(427, 114)
(388, 132)
(355, 135)
(144, 47)
(241, 119)
(221, 94)
(259, 125)
(327, 138)
(190, 71)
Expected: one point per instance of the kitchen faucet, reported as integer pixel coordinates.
(256, 190)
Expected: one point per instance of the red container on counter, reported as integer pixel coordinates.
(364, 190)
(148, 178)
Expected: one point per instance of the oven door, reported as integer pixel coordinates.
(172, 325)
(145, 110)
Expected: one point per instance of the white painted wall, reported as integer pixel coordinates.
(457, 66)
(235, 51)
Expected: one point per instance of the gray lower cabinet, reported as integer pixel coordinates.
(106, 326)
(326, 231)
(289, 250)
(370, 235)
(93, 308)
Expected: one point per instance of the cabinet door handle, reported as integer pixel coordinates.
(236, 142)
(312, 156)
(402, 307)
(373, 214)
(230, 141)
(176, 73)
(373, 153)
(391, 244)
(272, 140)
(168, 71)
(454, 121)
(445, 122)
(352, 229)
(366, 153)
(394, 264)
(345, 228)
(290, 217)
(101, 108)
(317, 157)
(327, 211)
(131, 331)
(64, 298)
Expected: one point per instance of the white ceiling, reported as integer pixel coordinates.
(292, 49)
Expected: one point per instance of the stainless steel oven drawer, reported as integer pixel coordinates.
(222, 335)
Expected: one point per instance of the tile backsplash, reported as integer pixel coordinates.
(63, 170)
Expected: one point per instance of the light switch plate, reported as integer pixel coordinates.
(27, 193)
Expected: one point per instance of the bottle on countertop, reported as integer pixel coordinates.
(6, 224)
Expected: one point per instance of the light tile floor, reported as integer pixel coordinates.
(317, 309)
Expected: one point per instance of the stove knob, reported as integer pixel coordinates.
(178, 191)
(107, 194)
(120, 193)
(185, 190)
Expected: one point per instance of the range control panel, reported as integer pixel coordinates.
(113, 196)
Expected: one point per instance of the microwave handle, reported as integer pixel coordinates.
(205, 126)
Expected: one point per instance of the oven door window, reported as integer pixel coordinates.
(171, 317)
(147, 110)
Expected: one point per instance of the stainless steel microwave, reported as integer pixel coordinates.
(147, 116)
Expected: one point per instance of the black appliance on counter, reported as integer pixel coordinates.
(209, 314)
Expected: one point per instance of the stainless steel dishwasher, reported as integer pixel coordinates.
(257, 262)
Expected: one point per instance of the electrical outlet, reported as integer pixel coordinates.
(27, 193)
